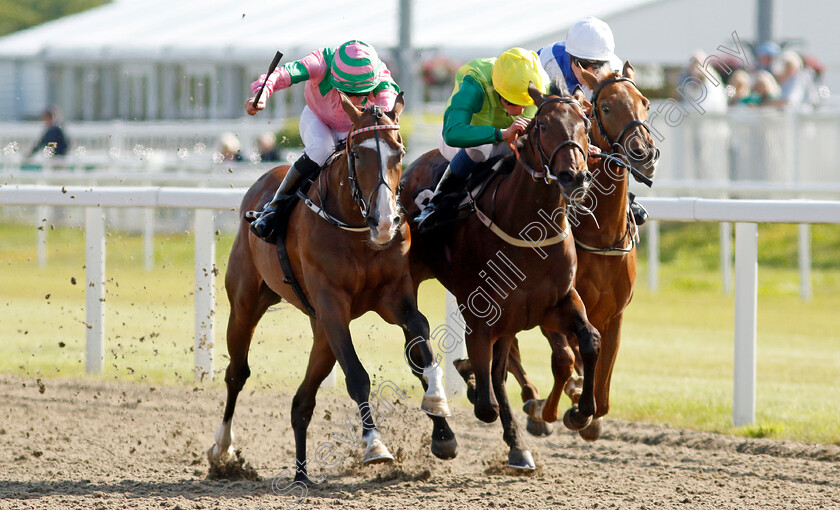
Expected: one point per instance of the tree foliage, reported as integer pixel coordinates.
(18, 15)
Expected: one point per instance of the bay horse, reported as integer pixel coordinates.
(606, 238)
(353, 263)
(532, 285)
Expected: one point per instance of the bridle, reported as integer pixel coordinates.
(377, 112)
(616, 145)
(546, 176)
(546, 160)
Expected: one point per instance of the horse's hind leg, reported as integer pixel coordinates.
(249, 299)
(519, 456)
(321, 362)
(562, 361)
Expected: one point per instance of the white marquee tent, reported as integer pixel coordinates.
(151, 59)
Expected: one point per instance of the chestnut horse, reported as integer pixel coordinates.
(532, 279)
(344, 271)
(606, 238)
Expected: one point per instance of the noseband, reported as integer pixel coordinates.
(616, 145)
(545, 161)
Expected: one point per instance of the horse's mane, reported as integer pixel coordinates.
(558, 88)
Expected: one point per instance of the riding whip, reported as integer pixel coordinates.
(271, 68)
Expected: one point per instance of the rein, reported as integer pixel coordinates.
(616, 145)
(377, 113)
(616, 249)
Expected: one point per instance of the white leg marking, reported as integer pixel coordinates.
(433, 375)
(223, 449)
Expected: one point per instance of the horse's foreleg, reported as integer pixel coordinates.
(321, 362)
(249, 301)
(610, 341)
(335, 327)
(518, 457)
(418, 354)
(573, 321)
(444, 446)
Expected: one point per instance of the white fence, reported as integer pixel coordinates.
(746, 213)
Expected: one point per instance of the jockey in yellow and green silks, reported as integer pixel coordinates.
(489, 107)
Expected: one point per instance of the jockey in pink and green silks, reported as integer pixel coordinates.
(352, 68)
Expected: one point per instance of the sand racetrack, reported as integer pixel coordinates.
(91, 444)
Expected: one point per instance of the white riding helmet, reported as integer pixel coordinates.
(591, 39)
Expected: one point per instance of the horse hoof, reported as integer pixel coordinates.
(436, 406)
(575, 420)
(304, 479)
(591, 432)
(534, 409)
(445, 449)
(472, 394)
(487, 414)
(377, 453)
(574, 388)
(538, 428)
(521, 459)
(218, 457)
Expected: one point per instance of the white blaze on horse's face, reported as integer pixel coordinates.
(387, 214)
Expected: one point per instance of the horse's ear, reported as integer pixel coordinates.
(590, 79)
(399, 104)
(628, 71)
(580, 97)
(352, 111)
(535, 94)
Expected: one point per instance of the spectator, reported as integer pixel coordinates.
(230, 147)
(52, 142)
(766, 53)
(739, 81)
(715, 99)
(798, 88)
(267, 145)
(815, 65)
(765, 90)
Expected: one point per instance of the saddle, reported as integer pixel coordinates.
(453, 203)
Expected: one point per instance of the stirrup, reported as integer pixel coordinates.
(640, 215)
(260, 227)
(428, 217)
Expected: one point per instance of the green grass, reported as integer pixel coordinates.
(674, 366)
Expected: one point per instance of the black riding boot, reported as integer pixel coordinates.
(448, 183)
(262, 221)
(640, 215)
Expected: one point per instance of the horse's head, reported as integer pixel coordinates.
(374, 159)
(558, 142)
(620, 114)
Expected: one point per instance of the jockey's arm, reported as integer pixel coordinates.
(457, 130)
